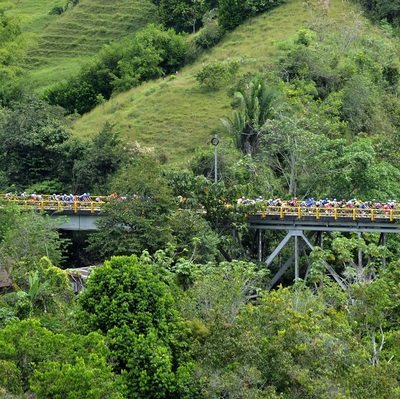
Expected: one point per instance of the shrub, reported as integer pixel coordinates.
(210, 35)
(57, 10)
(214, 75)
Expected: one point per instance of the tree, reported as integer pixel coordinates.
(34, 359)
(49, 293)
(218, 201)
(382, 10)
(218, 294)
(231, 13)
(253, 103)
(311, 64)
(359, 104)
(30, 237)
(31, 138)
(153, 52)
(217, 74)
(105, 153)
(193, 236)
(128, 302)
(289, 146)
(290, 342)
(81, 93)
(183, 15)
(139, 219)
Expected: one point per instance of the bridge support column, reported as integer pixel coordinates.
(298, 247)
(384, 245)
(316, 220)
(382, 241)
(360, 253)
(296, 257)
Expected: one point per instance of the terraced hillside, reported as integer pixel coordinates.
(65, 42)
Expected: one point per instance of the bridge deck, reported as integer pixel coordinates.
(265, 217)
(48, 206)
(317, 219)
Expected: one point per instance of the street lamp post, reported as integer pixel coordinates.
(215, 142)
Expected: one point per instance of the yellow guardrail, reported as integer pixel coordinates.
(92, 206)
(332, 213)
(58, 206)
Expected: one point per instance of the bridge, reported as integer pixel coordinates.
(72, 215)
(306, 225)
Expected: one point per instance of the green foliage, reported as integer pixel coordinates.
(13, 46)
(140, 220)
(334, 132)
(214, 76)
(85, 379)
(382, 10)
(32, 127)
(359, 105)
(130, 304)
(122, 293)
(193, 236)
(29, 237)
(183, 16)
(253, 105)
(5, 316)
(9, 28)
(219, 292)
(315, 63)
(239, 177)
(29, 247)
(290, 145)
(231, 13)
(293, 344)
(361, 173)
(103, 155)
(242, 174)
(75, 151)
(46, 291)
(305, 37)
(217, 200)
(8, 214)
(57, 10)
(33, 359)
(209, 35)
(80, 93)
(153, 52)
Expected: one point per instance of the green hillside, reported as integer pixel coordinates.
(63, 43)
(175, 115)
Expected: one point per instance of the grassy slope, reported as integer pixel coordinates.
(66, 42)
(176, 116)
(173, 115)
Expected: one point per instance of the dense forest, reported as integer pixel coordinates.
(176, 305)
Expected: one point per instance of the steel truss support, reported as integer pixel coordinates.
(382, 241)
(300, 245)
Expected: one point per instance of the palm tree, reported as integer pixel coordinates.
(254, 106)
